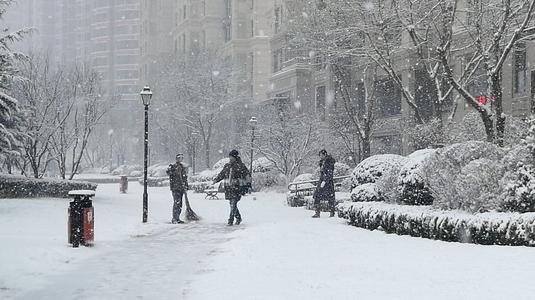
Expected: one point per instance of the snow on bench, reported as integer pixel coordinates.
(78, 194)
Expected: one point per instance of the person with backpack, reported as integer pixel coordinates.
(178, 182)
(325, 189)
(237, 182)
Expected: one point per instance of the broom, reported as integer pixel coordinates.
(190, 214)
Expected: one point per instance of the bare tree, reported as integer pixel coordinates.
(198, 94)
(286, 140)
(485, 33)
(72, 137)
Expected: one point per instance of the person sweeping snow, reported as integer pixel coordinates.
(237, 182)
(178, 182)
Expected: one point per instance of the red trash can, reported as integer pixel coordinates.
(81, 224)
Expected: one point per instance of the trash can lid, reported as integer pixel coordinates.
(89, 193)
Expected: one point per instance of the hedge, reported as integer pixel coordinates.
(514, 229)
(23, 187)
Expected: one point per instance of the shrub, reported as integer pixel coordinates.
(22, 187)
(450, 170)
(267, 180)
(423, 221)
(367, 192)
(412, 186)
(519, 193)
(374, 167)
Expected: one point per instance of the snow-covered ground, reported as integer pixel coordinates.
(278, 253)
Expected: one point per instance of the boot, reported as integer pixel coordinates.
(238, 221)
(317, 214)
(177, 221)
(230, 222)
(332, 213)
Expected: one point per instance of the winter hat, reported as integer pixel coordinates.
(234, 153)
(180, 155)
(323, 151)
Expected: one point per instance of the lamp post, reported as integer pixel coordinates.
(146, 95)
(194, 137)
(253, 123)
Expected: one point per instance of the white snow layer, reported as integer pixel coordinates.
(278, 253)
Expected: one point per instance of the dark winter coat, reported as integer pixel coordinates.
(326, 174)
(236, 179)
(178, 177)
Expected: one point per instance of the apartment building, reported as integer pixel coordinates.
(302, 82)
(240, 28)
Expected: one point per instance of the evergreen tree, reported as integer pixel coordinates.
(11, 118)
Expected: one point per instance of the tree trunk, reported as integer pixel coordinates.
(497, 94)
(207, 154)
(366, 148)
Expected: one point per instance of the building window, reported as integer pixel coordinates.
(519, 70)
(228, 22)
(320, 102)
(388, 95)
(277, 60)
(185, 11)
(278, 19)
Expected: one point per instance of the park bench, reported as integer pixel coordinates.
(297, 191)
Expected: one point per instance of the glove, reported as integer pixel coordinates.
(322, 185)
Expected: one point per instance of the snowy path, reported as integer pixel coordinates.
(154, 266)
(278, 253)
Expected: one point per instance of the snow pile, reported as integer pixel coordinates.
(22, 187)
(424, 221)
(412, 185)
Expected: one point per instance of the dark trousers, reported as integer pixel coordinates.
(177, 204)
(234, 211)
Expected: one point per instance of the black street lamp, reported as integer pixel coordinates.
(253, 123)
(146, 95)
(194, 137)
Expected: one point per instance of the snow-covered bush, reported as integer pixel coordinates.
(221, 163)
(412, 186)
(23, 187)
(374, 167)
(367, 192)
(158, 170)
(448, 173)
(205, 176)
(520, 191)
(517, 156)
(519, 182)
(478, 187)
(126, 170)
(273, 178)
(424, 221)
